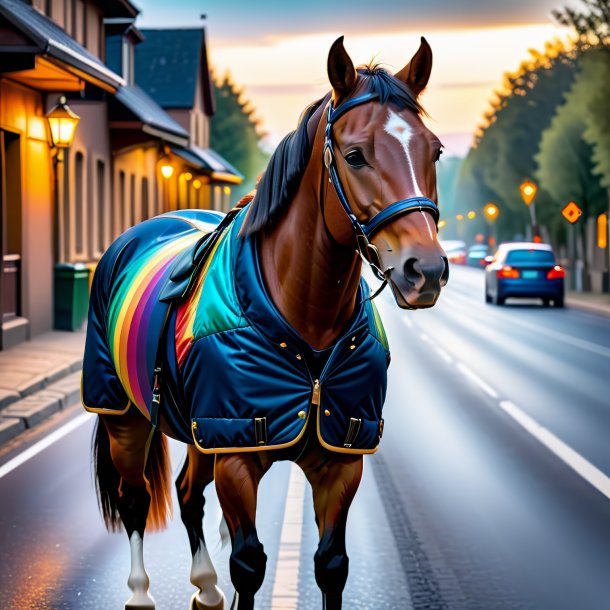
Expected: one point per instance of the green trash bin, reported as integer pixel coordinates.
(71, 300)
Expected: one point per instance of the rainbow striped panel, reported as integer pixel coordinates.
(135, 314)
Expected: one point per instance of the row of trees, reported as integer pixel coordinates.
(236, 135)
(551, 124)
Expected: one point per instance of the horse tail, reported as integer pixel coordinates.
(157, 475)
(107, 478)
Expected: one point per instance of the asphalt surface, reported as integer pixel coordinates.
(461, 508)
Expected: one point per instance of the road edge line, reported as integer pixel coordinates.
(590, 473)
(42, 444)
(285, 595)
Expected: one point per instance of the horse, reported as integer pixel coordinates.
(253, 338)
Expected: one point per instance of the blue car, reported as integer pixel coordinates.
(527, 270)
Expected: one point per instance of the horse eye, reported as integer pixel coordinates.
(438, 154)
(355, 158)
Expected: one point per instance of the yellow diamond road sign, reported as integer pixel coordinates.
(572, 212)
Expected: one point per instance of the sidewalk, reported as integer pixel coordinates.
(588, 301)
(38, 378)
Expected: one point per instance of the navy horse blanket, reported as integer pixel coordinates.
(236, 375)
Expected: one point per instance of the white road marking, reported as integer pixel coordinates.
(590, 473)
(574, 460)
(285, 594)
(443, 354)
(477, 380)
(41, 445)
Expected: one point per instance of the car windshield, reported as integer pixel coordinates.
(530, 256)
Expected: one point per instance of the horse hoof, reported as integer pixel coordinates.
(140, 601)
(198, 604)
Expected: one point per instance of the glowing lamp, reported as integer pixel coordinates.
(491, 211)
(472, 214)
(62, 123)
(460, 216)
(167, 169)
(528, 191)
(441, 223)
(196, 184)
(187, 176)
(227, 190)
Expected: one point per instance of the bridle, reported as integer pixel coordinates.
(365, 231)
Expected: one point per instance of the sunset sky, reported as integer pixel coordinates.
(276, 50)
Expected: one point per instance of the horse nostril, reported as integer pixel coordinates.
(445, 274)
(411, 270)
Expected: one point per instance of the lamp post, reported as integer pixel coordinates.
(491, 212)
(62, 125)
(528, 193)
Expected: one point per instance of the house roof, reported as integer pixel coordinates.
(156, 121)
(168, 64)
(55, 43)
(222, 170)
(209, 161)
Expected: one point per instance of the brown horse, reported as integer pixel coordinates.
(361, 164)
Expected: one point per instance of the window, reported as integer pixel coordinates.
(133, 206)
(120, 213)
(144, 211)
(79, 204)
(100, 183)
(530, 256)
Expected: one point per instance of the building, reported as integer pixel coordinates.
(129, 160)
(172, 67)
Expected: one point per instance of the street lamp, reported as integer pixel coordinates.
(528, 192)
(491, 212)
(167, 169)
(62, 125)
(472, 214)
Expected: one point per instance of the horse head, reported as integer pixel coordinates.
(383, 159)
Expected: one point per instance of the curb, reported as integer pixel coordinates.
(597, 308)
(35, 406)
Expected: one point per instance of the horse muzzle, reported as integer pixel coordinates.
(418, 284)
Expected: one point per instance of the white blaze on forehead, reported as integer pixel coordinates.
(398, 128)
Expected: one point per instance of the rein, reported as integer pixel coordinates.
(365, 231)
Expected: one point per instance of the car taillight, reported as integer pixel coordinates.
(507, 272)
(556, 273)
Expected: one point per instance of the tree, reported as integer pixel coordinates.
(596, 72)
(566, 164)
(592, 26)
(234, 134)
(506, 145)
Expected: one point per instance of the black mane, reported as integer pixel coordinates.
(282, 177)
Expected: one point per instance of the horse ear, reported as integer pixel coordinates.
(417, 72)
(341, 71)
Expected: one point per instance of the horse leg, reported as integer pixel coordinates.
(196, 474)
(334, 480)
(237, 477)
(121, 456)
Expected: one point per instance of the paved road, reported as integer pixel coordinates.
(463, 506)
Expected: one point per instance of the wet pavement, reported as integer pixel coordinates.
(462, 508)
